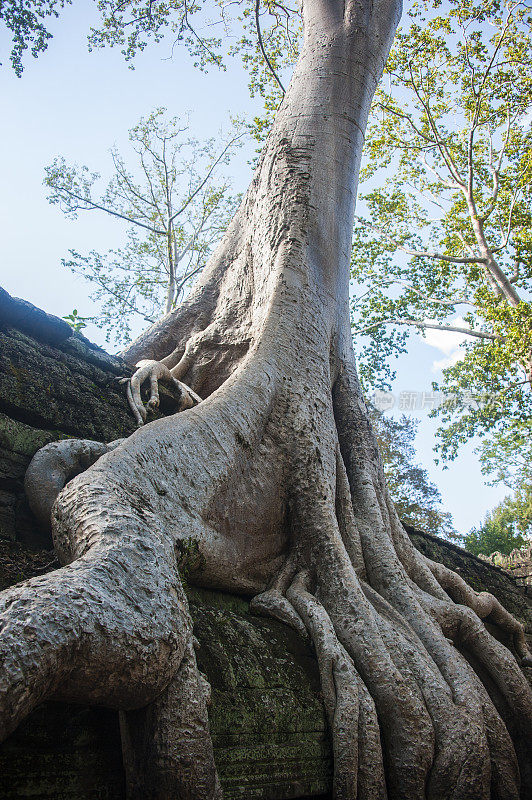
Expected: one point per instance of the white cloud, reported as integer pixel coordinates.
(450, 361)
(448, 343)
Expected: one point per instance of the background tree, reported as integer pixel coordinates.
(274, 478)
(417, 500)
(505, 528)
(445, 241)
(176, 209)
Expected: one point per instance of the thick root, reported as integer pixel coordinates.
(112, 628)
(385, 628)
(272, 604)
(53, 466)
(411, 583)
(167, 746)
(485, 606)
(462, 625)
(83, 641)
(358, 763)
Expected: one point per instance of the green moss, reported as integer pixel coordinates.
(189, 557)
(20, 438)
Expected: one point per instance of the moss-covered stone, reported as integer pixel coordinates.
(53, 384)
(267, 720)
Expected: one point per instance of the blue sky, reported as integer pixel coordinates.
(77, 104)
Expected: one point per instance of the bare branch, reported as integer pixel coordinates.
(442, 147)
(408, 118)
(122, 173)
(432, 326)
(419, 253)
(94, 205)
(216, 59)
(496, 171)
(447, 184)
(124, 300)
(261, 45)
(455, 301)
(509, 226)
(207, 176)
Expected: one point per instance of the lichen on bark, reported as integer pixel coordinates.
(275, 481)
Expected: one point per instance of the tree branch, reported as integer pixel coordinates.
(495, 171)
(442, 147)
(108, 210)
(261, 45)
(419, 253)
(207, 176)
(122, 173)
(509, 226)
(456, 301)
(432, 326)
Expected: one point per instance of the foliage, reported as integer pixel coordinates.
(265, 36)
(416, 498)
(445, 240)
(76, 322)
(507, 454)
(26, 21)
(176, 214)
(505, 528)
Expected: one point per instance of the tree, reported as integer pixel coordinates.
(507, 455)
(505, 528)
(177, 213)
(415, 497)
(275, 480)
(445, 241)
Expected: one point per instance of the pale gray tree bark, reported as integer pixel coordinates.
(274, 483)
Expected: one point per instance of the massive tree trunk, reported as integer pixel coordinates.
(272, 487)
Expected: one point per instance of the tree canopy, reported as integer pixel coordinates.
(26, 22)
(444, 240)
(265, 35)
(416, 498)
(505, 528)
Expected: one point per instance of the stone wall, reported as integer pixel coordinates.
(518, 564)
(267, 719)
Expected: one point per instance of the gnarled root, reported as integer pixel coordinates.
(358, 764)
(112, 628)
(468, 730)
(167, 746)
(155, 371)
(53, 466)
(382, 627)
(485, 606)
(408, 715)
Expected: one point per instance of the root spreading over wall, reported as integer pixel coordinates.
(275, 479)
